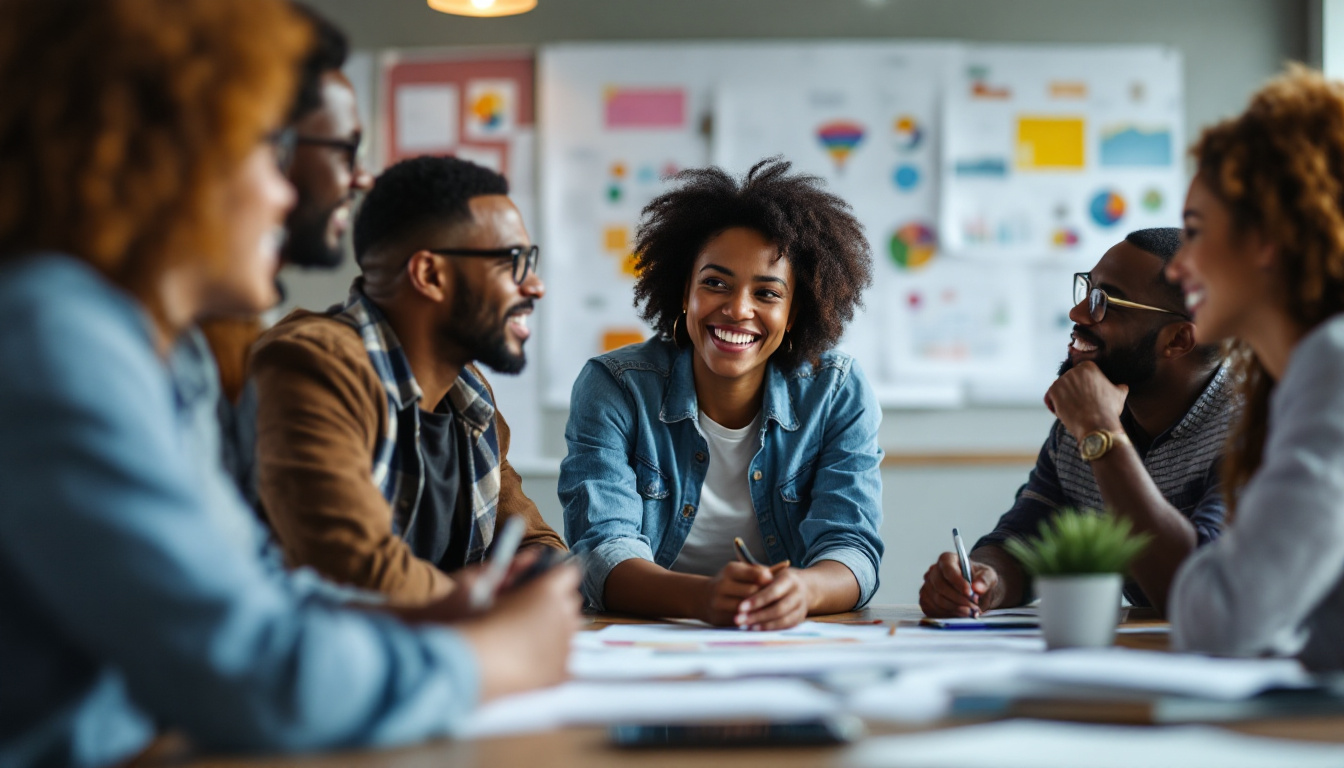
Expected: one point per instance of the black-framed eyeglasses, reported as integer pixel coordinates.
(524, 257)
(1098, 300)
(282, 142)
(348, 147)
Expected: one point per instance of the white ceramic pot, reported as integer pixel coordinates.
(1079, 611)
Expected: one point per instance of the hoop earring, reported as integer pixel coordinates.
(676, 320)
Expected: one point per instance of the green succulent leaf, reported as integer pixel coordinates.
(1073, 542)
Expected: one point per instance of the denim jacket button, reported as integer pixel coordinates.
(687, 510)
(699, 455)
(770, 541)
(756, 475)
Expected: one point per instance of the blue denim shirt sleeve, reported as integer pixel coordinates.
(844, 518)
(603, 509)
(106, 527)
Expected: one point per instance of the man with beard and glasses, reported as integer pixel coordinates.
(321, 160)
(1142, 414)
(381, 459)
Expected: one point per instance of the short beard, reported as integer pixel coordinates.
(473, 328)
(1133, 366)
(307, 244)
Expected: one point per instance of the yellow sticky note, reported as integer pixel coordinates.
(616, 239)
(615, 338)
(630, 265)
(1051, 143)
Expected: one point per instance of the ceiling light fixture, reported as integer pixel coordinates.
(483, 7)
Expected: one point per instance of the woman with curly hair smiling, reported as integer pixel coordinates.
(1263, 266)
(740, 422)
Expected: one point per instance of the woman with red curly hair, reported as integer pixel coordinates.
(1263, 268)
(139, 192)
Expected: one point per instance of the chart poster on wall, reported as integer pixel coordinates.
(872, 137)
(620, 121)
(1052, 154)
(476, 106)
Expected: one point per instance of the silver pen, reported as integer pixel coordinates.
(965, 562)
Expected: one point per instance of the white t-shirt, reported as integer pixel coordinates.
(725, 509)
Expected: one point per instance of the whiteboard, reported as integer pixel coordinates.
(984, 177)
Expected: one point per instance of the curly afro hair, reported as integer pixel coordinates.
(815, 230)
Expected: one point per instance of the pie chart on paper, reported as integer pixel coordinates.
(913, 246)
(1107, 207)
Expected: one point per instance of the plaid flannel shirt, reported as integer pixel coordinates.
(398, 466)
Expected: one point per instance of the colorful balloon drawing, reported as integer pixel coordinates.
(840, 138)
(913, 245)
(1107, 207)
(908, 133)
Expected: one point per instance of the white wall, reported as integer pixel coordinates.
(1230, 47)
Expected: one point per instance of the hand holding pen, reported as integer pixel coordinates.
(956, 586)
(734, 584)
(780, 603)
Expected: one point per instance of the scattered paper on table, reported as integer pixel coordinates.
(585, 703)
(1039, 744)
(1171, 673)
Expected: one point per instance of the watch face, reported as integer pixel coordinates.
(1093, 445)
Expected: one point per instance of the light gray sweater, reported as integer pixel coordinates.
(1273, 584)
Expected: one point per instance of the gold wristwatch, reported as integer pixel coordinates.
(1096, 444)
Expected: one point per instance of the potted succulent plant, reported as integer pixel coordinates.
(1078, 562)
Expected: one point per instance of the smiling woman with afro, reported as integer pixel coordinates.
(728, 469)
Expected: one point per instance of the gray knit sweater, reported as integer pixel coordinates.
(1273, 584)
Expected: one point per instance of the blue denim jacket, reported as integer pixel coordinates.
(631, 482)
(133, 589)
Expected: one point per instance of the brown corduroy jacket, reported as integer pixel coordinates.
(321, 409)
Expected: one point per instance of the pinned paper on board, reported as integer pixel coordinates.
(657, 108)
(426, 116)
(1051, 143)
(492, 108)
(1126, 144)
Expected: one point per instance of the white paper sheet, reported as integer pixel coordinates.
(924, 693)
(426, 117)
(583, 703)
(1171, 673)
(693, 637)
(1037, 744)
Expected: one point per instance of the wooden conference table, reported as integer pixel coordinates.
(588, 747)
